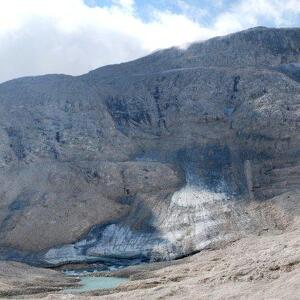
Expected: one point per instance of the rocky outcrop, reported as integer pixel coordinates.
(152, 159)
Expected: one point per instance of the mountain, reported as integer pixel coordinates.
(158, 158)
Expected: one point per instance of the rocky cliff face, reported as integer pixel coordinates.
(151, 159)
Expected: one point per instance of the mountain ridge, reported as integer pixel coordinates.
(120, 154)
(176, 49)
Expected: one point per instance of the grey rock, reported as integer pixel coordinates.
(152, 159)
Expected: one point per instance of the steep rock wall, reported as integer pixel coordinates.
(152, 159)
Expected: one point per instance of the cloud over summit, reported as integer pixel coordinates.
(74, 36)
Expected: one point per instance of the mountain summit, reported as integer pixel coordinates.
(153, 159)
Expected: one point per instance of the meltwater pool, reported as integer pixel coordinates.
(90, 283)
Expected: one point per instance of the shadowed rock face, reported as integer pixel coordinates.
(151, 159)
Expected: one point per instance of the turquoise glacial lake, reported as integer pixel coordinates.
(90, 283)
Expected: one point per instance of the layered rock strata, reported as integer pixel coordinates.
(152, 159)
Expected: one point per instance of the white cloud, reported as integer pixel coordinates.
(192, 11)
(68, 36)
(249, 13)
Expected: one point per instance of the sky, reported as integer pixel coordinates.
(74, 36)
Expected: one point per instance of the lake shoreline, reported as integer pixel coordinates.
(254, 267)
